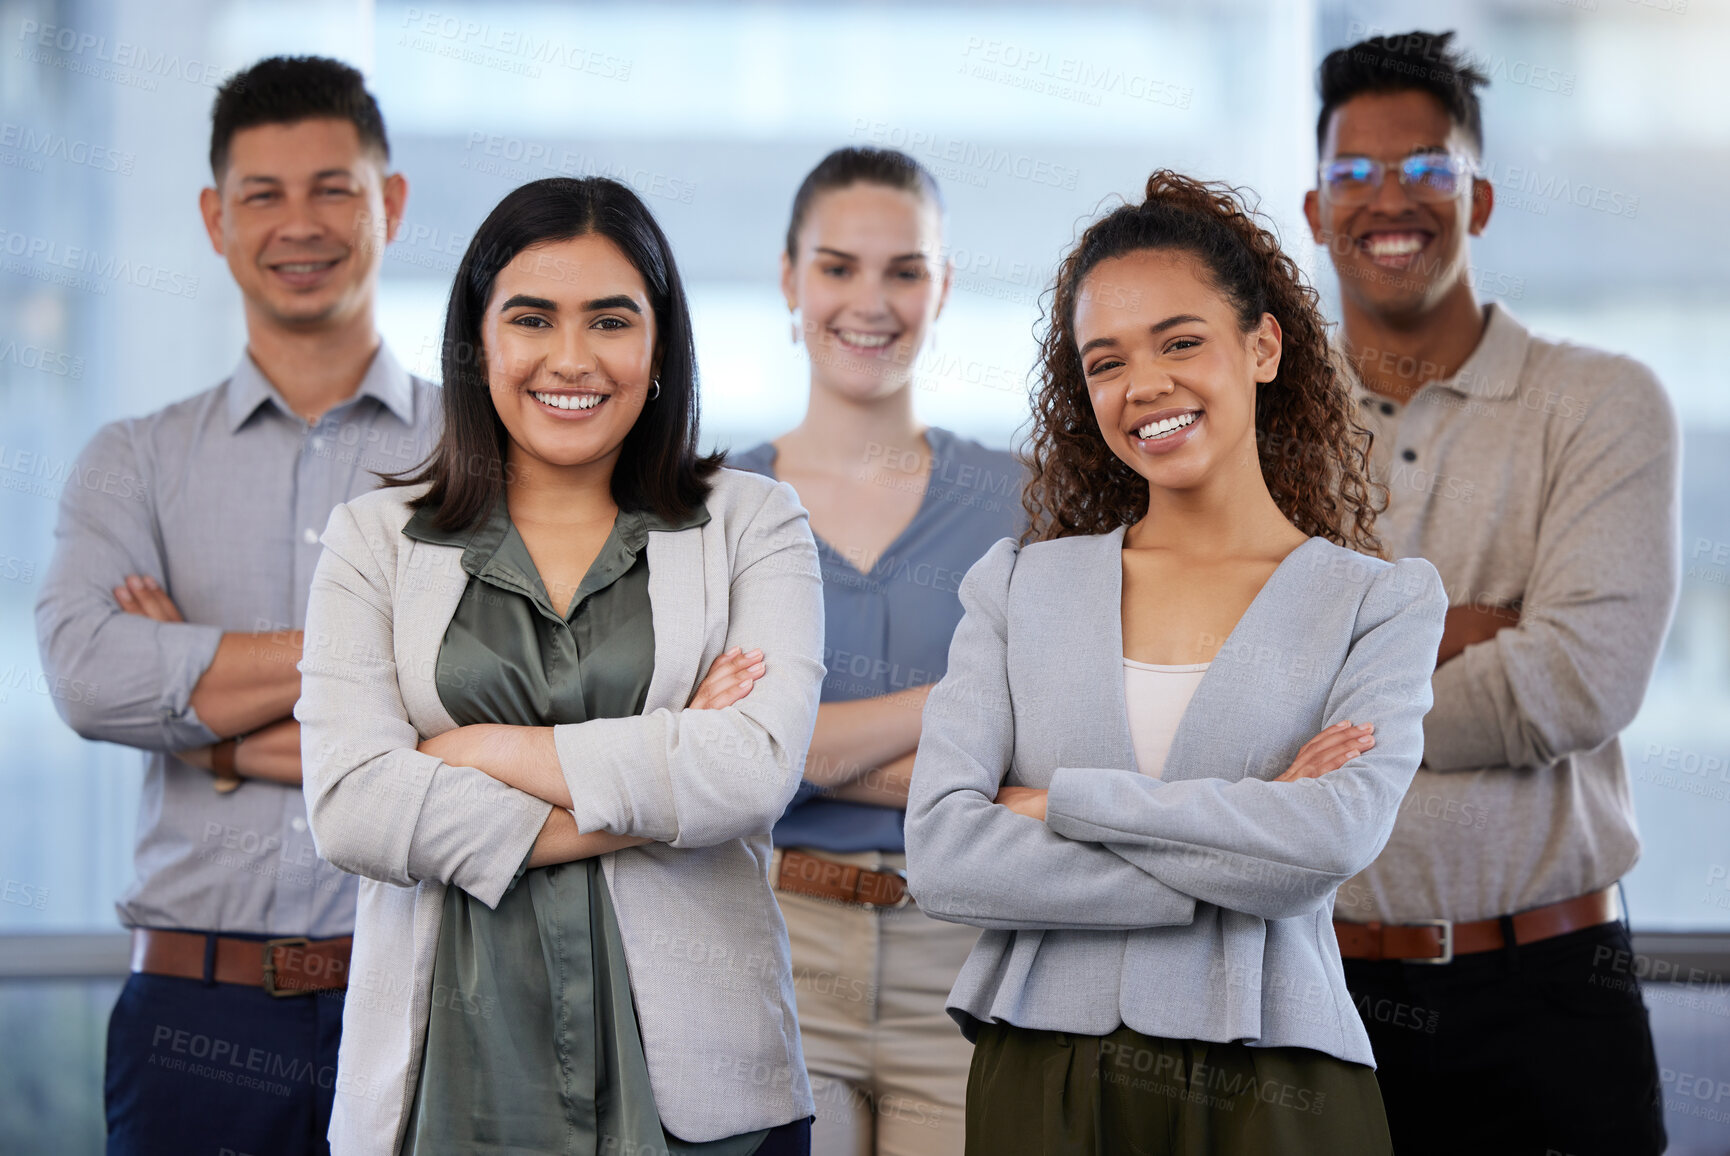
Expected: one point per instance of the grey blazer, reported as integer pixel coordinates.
(704, 941)
(1195, 906)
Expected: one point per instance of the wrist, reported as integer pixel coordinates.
(225, 775)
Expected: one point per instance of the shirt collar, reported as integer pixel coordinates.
(1491, 373)
(1493, 370)
(480, 543)
(495, 553)
(386, 380)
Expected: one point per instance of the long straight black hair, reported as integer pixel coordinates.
(658, 469)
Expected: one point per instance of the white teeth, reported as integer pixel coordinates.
(1156, 429)
(305, 266)
(1394, 245)
(570, 400)
(864, 340)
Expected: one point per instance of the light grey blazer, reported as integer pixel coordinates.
(704, 941)
(1194, 906)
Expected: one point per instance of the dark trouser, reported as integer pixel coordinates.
(219, 1070)
(1053, 1094)
(788, 1140)
(1542, 1050)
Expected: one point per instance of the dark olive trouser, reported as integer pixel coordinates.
(1126, 1094)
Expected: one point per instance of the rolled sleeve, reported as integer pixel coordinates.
(377, 805)
(134, 677)
(1571, 675)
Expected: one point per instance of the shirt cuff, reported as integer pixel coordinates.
(186, 651)
(1079, 802)
(521, 869)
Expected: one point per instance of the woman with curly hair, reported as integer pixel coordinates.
(1151, 762)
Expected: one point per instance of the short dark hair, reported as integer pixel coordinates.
(860, 166)
(285, 89)
(658, 467)
(1400, 62)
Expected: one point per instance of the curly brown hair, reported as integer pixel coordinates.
(1314, 452)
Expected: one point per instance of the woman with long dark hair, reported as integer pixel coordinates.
(1152, 762)
(565, 941)
(900, 510)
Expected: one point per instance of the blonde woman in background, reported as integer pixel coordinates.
(900, 511)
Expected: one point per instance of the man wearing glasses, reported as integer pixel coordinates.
(1541, 480)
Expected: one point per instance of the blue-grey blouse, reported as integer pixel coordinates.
(889, 630)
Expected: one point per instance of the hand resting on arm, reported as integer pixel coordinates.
(512, 754)
(1328, 751)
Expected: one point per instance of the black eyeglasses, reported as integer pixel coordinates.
(1432, 176)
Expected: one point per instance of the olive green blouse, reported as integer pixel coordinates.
(532, 1044)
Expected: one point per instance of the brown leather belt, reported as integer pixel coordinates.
(821, 878)
(282, 967)
(1440, 940)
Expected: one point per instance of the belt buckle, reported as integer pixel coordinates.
(270, 946)
(1447, 926)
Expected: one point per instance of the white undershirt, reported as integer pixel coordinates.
(1156, 697)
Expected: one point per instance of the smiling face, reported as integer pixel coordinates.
(1171, 375)
(869, 280)
(569, 334)
(1397, 257)
(302, 215)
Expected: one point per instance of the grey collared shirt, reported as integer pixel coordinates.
(1542, 474)
(221, 498)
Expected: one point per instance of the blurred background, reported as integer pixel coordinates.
(1608, 137)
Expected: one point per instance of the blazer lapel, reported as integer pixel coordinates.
(1222, 710)
(426, 600)
(1098, 650)
(677, 591)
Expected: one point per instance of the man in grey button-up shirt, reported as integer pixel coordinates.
(1540, 478)
(181, 588)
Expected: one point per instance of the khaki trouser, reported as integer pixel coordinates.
(888, 1066)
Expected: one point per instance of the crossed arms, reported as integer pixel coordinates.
(467, 807)
(1120, 851)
